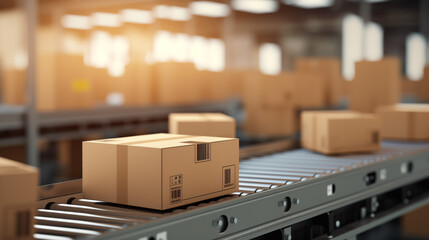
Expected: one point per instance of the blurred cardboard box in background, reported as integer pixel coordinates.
(339, 132)
(202, 124)
(329, 69)
(376, 83)
(405, 121)
(270, 104)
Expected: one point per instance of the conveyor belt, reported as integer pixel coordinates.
(79, 218)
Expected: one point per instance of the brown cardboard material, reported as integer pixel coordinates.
(405, 122)
(375, 84)
(415, 223)
(222, 85)
(330, 70)
(177, 84)
(339, 132)
(160, 171)
(423, 86)
(12, 86)
(270, 104)
(310, 90)
(202, 124)
(18, 196)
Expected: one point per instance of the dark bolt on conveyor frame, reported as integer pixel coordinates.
(299, 194)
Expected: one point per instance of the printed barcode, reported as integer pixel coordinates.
(227, 176)
(176, 194)
(23, 223)
(203, 151)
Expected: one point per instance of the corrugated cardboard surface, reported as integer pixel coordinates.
(158, 171)
(405, 121)
(18, 196)
(375, 84)
(338, 132)
(330, 71)
(202, 124)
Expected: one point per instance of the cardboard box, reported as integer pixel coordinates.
(405, 121)
(202, 124)
(272, 122)
(177, 84)
(310, 90)
(223, 85)
(329, 69)
(375, 84)
(18, 196)
(160, 171)
(423, 86)
(13, 84)
(270, 104)
(338, 132)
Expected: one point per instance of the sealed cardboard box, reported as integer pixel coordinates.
(160, 171)
(405, 121)
(18, 196)
(376, 83)
(330, 71)
(338, 132)
(202, 124)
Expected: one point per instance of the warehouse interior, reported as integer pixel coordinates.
(81, 70)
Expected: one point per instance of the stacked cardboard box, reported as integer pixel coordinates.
(177, 83)
(160, 171)
(375, 84)
(339, 132)
(405, 121)
(330, 71)
(202, 124)
(18, 196)
(12, 86)
(74, 86)
(423, 86)
(310, 90)
(270, 104)
(223, 85)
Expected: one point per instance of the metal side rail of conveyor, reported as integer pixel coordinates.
(299, 194)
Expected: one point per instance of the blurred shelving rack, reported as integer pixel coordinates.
(103, 120)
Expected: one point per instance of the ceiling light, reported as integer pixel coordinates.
(255, 6)
(136, 16)
(310, 3)
(209, 9)
(103, 19)
(76, 22)
(173, 13)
